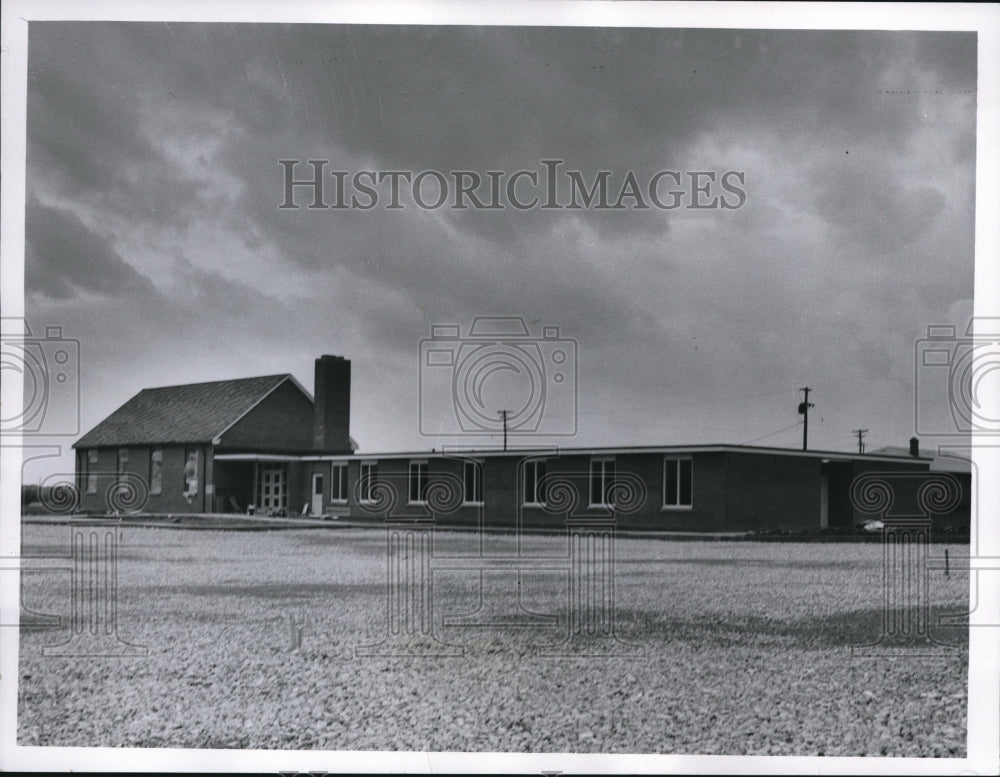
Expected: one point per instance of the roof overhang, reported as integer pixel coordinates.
(257, 457)
(552, 451)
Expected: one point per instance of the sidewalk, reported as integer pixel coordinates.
(210, 521)
(239, 522)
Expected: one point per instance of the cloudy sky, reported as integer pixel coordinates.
(154, 234)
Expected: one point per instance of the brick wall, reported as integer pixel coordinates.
(503, 491)
(906, 481)
(170, 498)
(282, 422)
(708, 494)
(773, 492)
(732, 491)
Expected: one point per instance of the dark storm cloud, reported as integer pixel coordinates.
(65, 258)
(84, 132)
(467, 98)
(474, 99)
(95, 125)
(160, 144)
(862, 196)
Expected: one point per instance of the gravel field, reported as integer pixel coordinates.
(747, 650)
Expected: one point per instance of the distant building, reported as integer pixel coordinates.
(266, 444)
(171, 441)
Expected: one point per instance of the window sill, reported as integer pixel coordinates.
(676, 508)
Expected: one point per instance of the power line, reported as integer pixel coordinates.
(771, 434)
(804, 406)
(671, 405)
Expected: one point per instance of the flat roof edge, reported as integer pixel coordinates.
(584, 451)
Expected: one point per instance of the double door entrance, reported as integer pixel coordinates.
(272, 487)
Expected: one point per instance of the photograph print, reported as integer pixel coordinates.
(576, 383)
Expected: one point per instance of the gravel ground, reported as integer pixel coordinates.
(747, 650)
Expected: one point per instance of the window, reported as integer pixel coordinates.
(472, 483)
(418, 482)
(122, 464)
(192, 466)
(338, 483)
(602, 475)
(369, 475)
(90, 470)
(156, 471)
(534, 483)
(677, 483)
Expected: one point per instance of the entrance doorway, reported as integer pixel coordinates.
(272, 487)
(316, 505)
(835, 507)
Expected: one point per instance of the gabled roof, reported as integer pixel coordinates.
(190, 413)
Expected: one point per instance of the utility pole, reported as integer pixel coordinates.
(804, 406)
(861, 437)
(503, 415)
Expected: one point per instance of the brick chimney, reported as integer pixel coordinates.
(332, 413)
(914, 446)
